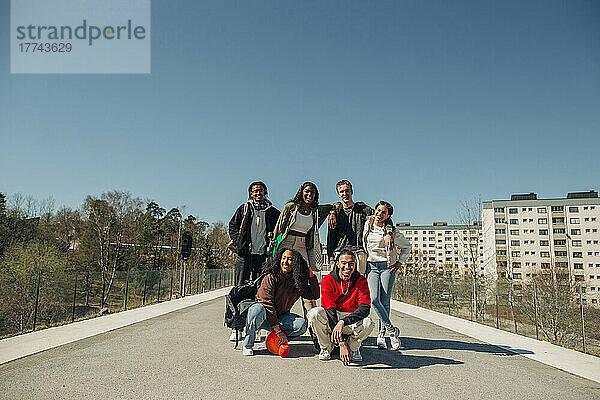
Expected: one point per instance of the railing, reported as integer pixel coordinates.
(552, 313)
(48, 299)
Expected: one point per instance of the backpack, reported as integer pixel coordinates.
(237, 302)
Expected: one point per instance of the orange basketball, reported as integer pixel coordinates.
(273, 346)
(273, 343)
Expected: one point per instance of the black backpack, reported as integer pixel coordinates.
(237, 303)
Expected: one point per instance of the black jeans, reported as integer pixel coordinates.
(248, 267)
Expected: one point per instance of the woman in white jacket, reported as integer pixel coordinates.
(382, 265)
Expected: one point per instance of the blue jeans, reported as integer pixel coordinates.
(381, 282)
(292, 325)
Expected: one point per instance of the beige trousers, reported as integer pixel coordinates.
(317, 320)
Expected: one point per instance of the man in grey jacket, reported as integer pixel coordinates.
(349, 223)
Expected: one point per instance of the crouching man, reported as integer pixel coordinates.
(343, 318)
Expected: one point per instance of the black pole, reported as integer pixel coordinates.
(74, 298)
(159, 278)
(37, 297)
(145, 284)
(103, 289)
(171, 284)
(126, 288)
(197, 281)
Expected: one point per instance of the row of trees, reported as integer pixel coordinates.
(109, 233)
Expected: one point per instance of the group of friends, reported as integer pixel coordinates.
(284, 248)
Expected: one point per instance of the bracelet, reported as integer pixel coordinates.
(278, 332)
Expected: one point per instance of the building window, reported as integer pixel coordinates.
(515, 243)
(513, 210)
(544, 232)
(578, 266)
(558, 231)
(514, 232)
(517, 275)
(560, 253)
(576, 254)
(516, 264)
(543, 243)
(560, 242)
(574, 220)
(499, 209)
(500, 220)
(500, 231)
(576, 243)
(515, 254)
(558, 220)
(514, 222)
(573, 209)
(545, 254)
(542, 210)
(542, 221)
(575, 231)
(557, 208)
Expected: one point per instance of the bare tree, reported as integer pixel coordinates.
(111, 218)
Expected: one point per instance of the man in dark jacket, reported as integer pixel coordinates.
(346, 232)
(343, 317)
(249, 230)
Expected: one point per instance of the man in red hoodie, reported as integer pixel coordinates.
(343, 317)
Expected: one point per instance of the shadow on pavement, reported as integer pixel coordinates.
(410, 343)
(375, 358)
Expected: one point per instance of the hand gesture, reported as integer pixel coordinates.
(336, 334)
(282, 338)
(396, 267)
(389, 242)
(345, 353)
(332, 221)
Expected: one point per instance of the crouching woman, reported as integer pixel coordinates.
(287, 279)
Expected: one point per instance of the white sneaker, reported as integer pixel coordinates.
(395, 339)
(232, 336)
(381, 341)
(247, 352)
(356, 356)
(324, 355)
(259, 336)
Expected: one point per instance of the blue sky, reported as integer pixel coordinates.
(423, 104)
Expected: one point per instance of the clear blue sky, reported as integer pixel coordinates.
(421, 103)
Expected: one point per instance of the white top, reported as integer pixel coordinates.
(376, 245)
(257, 232)
(303, 223)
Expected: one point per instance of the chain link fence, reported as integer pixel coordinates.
(550, 311)
(49, 299)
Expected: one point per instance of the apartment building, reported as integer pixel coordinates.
(525, 236)
(444, 249)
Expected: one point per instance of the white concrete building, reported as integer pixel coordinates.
(525, 235)
(444, 249)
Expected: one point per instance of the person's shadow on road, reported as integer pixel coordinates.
(411, 343)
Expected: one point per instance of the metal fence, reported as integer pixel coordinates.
(553, 313)
(49, 299)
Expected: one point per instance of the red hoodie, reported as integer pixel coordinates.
(357, 300)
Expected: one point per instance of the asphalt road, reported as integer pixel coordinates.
(186, 355)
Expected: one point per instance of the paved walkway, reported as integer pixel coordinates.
(185, 355)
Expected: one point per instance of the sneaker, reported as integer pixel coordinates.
(247, 352)
(395, 339)
(232, 336)
(324, 355)
(259, 336)
(356, 356)
(381, 341)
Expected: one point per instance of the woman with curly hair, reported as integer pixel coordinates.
(287, 278)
